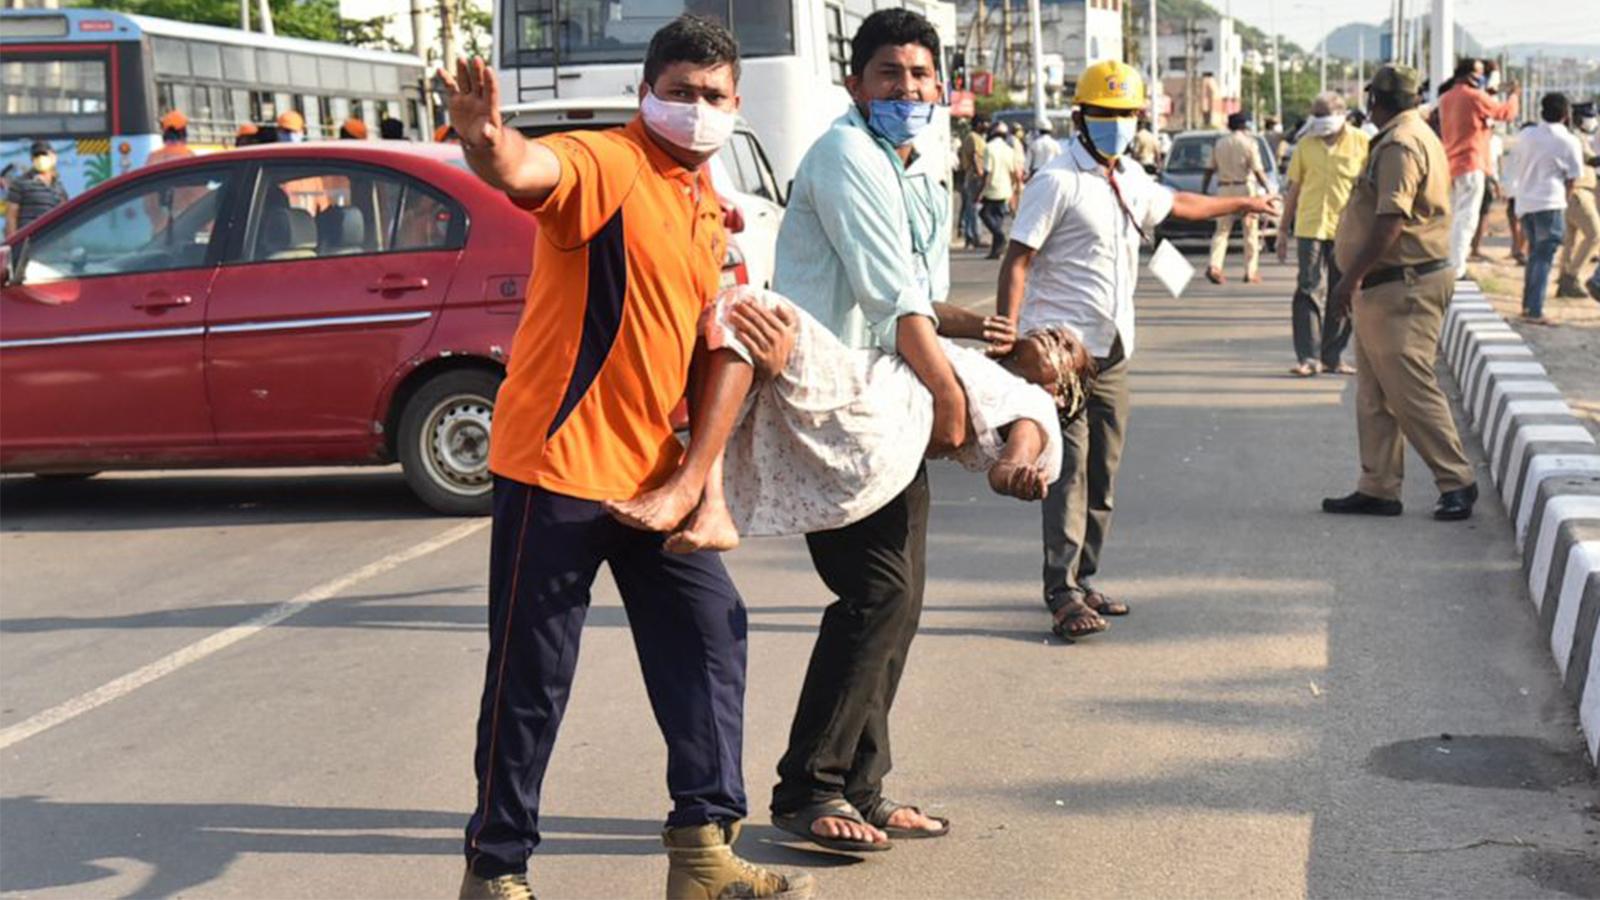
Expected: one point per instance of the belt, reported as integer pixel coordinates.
(1396, 273)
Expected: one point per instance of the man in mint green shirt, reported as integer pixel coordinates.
(864, 250)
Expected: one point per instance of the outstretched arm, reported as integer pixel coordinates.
(1196, 207)
(501, 156)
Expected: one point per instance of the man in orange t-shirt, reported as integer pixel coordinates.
(628, 254)
(1465, 113)
(163, 208)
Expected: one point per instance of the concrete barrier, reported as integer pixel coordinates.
(1546, 466)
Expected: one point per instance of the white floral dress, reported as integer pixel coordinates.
(842, 431)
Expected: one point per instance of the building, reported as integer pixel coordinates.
(1202, 69)
(1075, 34)
(397, 25)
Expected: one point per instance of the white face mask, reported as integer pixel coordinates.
(1322, 126)
(696, 127)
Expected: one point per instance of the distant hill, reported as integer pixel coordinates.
(1345, 41)
(1559, 51)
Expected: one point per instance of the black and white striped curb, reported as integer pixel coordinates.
(1546, 465)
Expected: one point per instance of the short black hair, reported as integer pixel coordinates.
(693, 39)
(392, 129)
(1465, 65)
(1393, 101)
(1554, 107)
(891, 28)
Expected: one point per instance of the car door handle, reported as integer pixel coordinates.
(398, 284)
(156, 300)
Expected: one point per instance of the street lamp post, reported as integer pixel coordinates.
(1277, 64)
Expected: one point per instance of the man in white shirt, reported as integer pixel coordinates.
(1073, 261)
(1549, 161)
(1002, 168)
(1044, 148)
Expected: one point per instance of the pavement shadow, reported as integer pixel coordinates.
(181, 500)
(53, 844)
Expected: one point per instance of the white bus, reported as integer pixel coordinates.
(795, 56)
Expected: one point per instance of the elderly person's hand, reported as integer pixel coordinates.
(769, 334)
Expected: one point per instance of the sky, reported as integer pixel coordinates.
(1492, 22)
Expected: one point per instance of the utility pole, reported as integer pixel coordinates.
(1444, 33)
(447, 35)
(1035, 45)
(264, 13)
(244, 15)
(1322, 55)
(1154, 89)
(1361, 63)
(979, 19)
(1277, 67)
(1005, 44)
(416, 30)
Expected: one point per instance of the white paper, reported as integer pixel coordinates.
(1171, 268)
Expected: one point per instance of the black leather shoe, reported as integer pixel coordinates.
(1456, 505)
(1362, 505)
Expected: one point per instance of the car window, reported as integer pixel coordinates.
(318, 212)
(1190, 155)
(162, 224)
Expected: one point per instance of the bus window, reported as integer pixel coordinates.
(608, 31)
(54, 96)
(171, 56)
(386, 80)
(303, 71)
(273, 66)
(206, 60)
(239, 64)
(360, 75)
(331, 74)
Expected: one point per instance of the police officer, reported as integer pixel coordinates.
(1237, 166)
(1393, 248)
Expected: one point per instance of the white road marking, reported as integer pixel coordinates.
(227, 637)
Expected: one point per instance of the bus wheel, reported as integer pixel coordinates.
(444, 442)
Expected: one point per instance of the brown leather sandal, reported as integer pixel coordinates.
(1104, 605)
(1080, 621)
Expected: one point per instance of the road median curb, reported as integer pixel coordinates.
(1546, 466)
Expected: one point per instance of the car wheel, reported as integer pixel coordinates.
(444, 442)
(65, 476)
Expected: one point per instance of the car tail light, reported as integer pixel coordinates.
(734, 272)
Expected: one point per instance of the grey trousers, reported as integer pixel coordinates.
(1319, 335)
(1077, 511)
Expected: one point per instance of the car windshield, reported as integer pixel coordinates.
(1190, 154)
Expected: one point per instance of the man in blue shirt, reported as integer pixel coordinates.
(864, 250)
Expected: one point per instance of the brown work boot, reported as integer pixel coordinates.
(702, 866)
(505, 887)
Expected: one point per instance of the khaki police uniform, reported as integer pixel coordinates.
(1583, 222)
(1400, 308)
(1237, 163)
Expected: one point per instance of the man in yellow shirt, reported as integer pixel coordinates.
(1325, 165)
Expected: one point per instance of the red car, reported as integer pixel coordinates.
(301, 304)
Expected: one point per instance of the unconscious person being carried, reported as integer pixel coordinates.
(837, 432)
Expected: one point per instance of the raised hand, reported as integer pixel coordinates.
(474, 104)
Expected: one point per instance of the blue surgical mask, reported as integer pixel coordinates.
(899, 121)
(1480, 81)
(1110, 136)
(293, 137)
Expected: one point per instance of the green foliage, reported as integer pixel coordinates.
(476, 30)
(1000, 99)
(316, 20)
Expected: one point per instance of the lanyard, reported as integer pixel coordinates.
(1116, 191)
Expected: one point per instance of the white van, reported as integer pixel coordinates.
(740, 172)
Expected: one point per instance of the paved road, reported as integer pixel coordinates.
(1267, 723)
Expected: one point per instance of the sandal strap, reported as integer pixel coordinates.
(836, 808)
(883, 809)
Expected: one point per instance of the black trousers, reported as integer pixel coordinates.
(994, 213)
(689, 629)
(839, 742)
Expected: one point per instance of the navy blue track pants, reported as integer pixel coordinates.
(689, 628)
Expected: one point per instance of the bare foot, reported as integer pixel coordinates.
(912, 820)
(841, 828)
(662, 509)
(709, 528)
(1019, 481)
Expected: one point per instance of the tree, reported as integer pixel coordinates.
(316, 20)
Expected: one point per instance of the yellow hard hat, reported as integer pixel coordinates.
(1111, 84)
